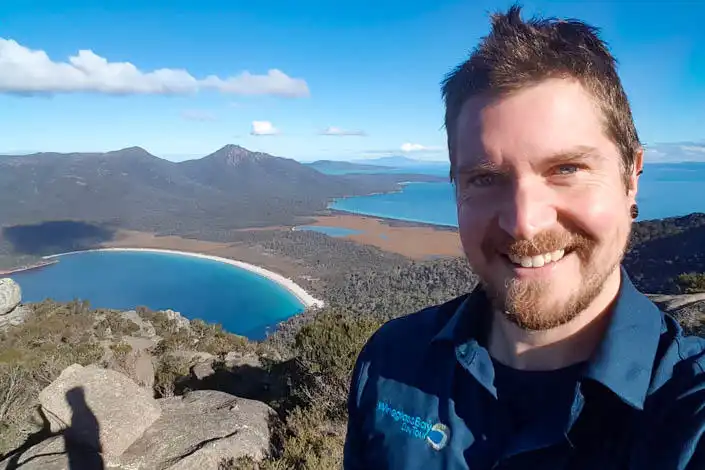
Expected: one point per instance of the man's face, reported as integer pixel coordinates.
(543, 210)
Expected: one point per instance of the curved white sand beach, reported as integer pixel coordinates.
(304, 297)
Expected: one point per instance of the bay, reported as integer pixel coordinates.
(665, 190)
(243, 302)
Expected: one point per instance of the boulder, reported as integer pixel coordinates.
(55, 453)
(238, 359)
(10, 295)
(181, 321)
(193, 357)
(202, 370)
(199, 430)
(98, 408)
(146, 328)
(15, 317)
(673, 302)
(687, 309)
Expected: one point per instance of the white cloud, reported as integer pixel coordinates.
(263, 128)
(675, 152)
(198, 115)
(693, 148)
(409, 147)
(27, 71)
(337, 131)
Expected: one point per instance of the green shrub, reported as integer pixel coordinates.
(326, 350)
(121, 349)
(311, 442)
(163, 326)
(691, 283)
(203, 337)
(211, 338)
(169, 371)
(119, 325)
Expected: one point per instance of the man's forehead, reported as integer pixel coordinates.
(554, 121)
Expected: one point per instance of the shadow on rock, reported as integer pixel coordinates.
(81, 440)
(271, 383)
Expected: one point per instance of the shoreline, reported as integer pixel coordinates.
(392, 222)
(410, 239)
(287, 283)
(38, 265)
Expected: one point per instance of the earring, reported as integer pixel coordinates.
(634, 211)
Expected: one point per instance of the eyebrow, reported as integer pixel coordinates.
(571, 155)
(575, 154)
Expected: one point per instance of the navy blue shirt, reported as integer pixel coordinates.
(426, 394)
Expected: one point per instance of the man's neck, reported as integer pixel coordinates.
(558, 347)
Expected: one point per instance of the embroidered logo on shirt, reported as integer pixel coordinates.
(438, 436)
(435, 434)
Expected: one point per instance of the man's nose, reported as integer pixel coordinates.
(528, 211)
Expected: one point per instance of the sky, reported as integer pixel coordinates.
(307, 79)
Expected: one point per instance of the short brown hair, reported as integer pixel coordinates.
(517, 54)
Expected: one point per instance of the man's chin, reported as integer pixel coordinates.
(534, 304)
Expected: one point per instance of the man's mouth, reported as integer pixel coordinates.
(537, 261)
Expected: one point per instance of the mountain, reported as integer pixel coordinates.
(236, 169)
(131, 188)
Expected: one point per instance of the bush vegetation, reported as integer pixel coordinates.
(691, 283)
(313, 433)
(32, 355)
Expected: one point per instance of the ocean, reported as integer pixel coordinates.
(243, 302)
(665, 190)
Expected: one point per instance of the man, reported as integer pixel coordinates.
(555, 361)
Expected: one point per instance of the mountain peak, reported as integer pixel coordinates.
(130, 152)
(234, 154)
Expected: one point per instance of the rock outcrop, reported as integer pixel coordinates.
(181, 321)
(688, 309)
(101, 419)
(199, 430)
(11, 311)
(98, 408)
(10, 295)
(146, 328)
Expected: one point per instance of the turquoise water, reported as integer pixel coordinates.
(665, 190)
(243, 302)
(330, 231)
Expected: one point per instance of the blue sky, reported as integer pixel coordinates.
(363, 67)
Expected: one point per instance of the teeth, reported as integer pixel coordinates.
(537, 261)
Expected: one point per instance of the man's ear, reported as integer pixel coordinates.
(637, 169)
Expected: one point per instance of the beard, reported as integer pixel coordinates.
(535, 304)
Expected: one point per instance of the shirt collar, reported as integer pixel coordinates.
(623, 361)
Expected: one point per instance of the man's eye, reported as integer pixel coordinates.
(482, 180)
(567, 169)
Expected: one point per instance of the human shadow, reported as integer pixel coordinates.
(81, 439)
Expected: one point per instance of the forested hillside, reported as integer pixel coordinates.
(130, 188)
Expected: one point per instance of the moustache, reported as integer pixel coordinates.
(547, 242)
